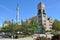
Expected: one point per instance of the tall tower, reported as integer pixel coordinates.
(41, 15)
(17, 13)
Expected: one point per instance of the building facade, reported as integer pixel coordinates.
(45, 23)
(6, 23)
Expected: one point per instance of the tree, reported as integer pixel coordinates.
(30, 27)
(24, 27)
(56, 25)
(35, 25)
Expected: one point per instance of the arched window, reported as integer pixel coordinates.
(43, 11)
(39, 11)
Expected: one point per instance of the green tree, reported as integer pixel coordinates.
(34, 25)
(56, 25)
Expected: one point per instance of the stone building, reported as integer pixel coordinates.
(45, 23)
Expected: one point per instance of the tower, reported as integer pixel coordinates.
(41, 15)
(17, 13)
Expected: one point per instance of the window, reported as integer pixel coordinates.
(44, 15)
(39, 11)
(50, 21)
(43, 11)
(44, 23)
(44, 20)
(50, 24)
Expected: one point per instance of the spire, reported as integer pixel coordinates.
(17, 13)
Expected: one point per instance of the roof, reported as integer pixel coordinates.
(41, 5)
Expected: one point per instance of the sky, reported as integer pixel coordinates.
(27, 9)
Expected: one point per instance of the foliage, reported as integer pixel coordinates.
(23, 28)
(56, 25)
(32, 26)
(35, 25)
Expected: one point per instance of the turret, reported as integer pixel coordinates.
(17, 13)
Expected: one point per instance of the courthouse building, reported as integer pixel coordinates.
(41, 18)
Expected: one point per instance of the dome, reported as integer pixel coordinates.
(41, 5)
(7, 21)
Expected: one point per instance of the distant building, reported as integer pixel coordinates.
(45, 23)
(6, 22)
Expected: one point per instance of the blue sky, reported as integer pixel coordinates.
(28, 9)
